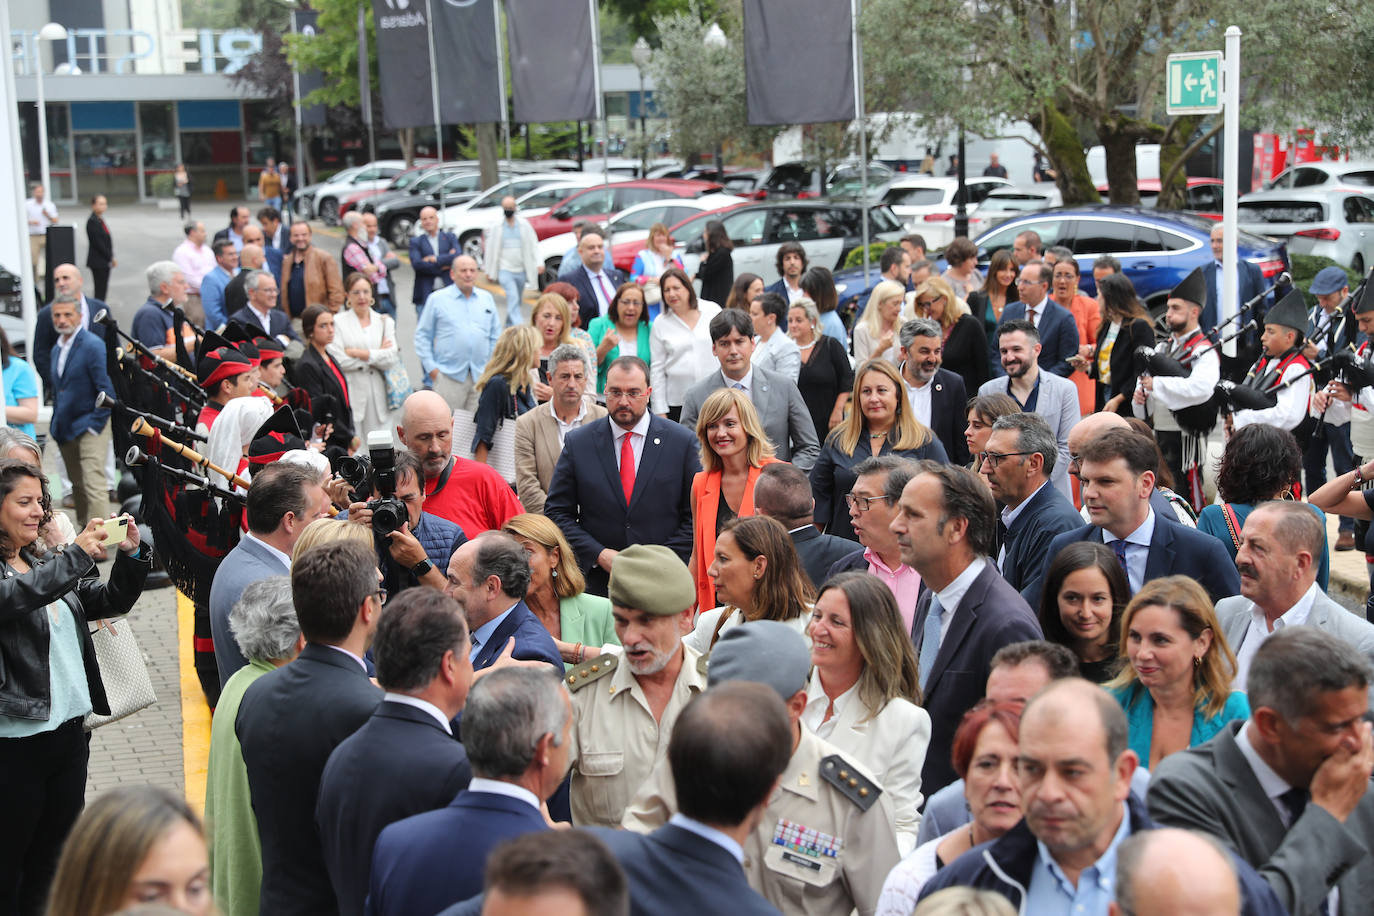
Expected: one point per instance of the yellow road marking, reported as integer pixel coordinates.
(195, 715)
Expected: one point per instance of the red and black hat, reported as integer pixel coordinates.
(246, 340)
(219, 364)
(279, 435)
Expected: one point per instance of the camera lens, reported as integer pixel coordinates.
(388, 515)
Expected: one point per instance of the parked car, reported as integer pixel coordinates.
(803, 179)
(362, 200)
(397, 216)
(600, 202)
(423, 180)
(631, 225)
(1002, 204)
(1314, 174)
(1203, 196)
(1156, 249)
(927, 204)
(1337, 224)
(470, 219)
(324, 200)
(303, 201)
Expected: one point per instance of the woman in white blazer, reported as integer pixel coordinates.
(863, 691)
(365, 348)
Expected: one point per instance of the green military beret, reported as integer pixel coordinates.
(651, 578)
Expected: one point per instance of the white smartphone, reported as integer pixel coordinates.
(116, 530)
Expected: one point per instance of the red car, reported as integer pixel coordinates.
(623, 253)
(603, 201)
(1204, 195)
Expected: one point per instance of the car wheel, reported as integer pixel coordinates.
(1157, 307)
(301, 207)
(329, 211)
(398, 230)
(1357, 265)
(471, 243)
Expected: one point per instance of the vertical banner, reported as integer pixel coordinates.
(471, 90)
(798, 61)
(305, 22)
(403, 64)
(552, 60)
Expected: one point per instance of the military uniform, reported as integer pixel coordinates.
(825, 843)
(615, 740)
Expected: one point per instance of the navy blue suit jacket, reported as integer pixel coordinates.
(674, 871)
(45, 338)
(587, 502)
(1046, 514)
(991, 615)
(400, 763)
(289, 722)
(1175, 550)
(1249, 284)
(73, 403)
(1058, 336)
(432, 275)
(274, 258)
(587, 303)
(432, 860)
(532, 641)
(278, 321)
(949, 414)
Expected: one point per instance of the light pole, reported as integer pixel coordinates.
(716, 41)
(50, 32)
(642, 54)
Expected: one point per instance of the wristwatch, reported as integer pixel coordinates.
(421, 569)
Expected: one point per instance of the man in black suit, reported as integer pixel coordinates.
(603, 505)
(1116, 470)
(99, 246)
(1021, 452)
(261, 312)
(405, 759)
(66, 278)
(1249, 283)
(291, 719)
(729, 748)
(516, 729)
(936, 395)
(595, 281)
(946, 527)
(783, 492)
(489, 576)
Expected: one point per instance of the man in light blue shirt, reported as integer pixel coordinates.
(214, 283)
(455, 338)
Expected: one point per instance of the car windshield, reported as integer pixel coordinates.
(1363, 178)
(433, 179)
(914, 197)
(405, 179)
(1282, 211)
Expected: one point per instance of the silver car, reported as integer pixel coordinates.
(1335, 223)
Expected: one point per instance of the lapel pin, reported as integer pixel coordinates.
(655, 440)
(939, 387)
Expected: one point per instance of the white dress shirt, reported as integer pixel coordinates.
(745, 384)
(919, 399)
(64, 349)
(1259, 631)
(285, 558)
(508, 789)
(564, 428)
(640, 430)
(423, 706)
(954, 592)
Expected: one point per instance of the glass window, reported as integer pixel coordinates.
(107, 163)
(1308, 177)
(839, 222)
(881, 219)
(1169, 241)
(979, 190)
(790, 179)
(1281, 211)
(546, 198)
(1363, 178)
(1099, 236)
(1205, 197)
(627, 197)
(914, 197)
(743, 228)
(1004, 237)
(212, 156)
(159, 144)
(1356, 210)
(793, 226)
(591, 203)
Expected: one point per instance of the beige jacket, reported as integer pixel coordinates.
(537, 448)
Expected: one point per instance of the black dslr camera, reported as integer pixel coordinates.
(376, 472)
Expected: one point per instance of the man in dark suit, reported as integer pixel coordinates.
(66, 278)
(426, 862)
(81, 430)
(291, 719)
(1249, 284)
(1021, 452)
(783, 492)
(99, 246)
(595, 280)
(261, 311)
(490, 575)
(405, 756)
(936, 395)
(728, 750)
(1054, 323)
(791, 263)
(783, 413)
(284, 499)
(1116, 471)
(431, 254)
(1289, 789)
(588, 493)
(946, 526)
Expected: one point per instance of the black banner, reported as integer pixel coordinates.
(464, 42)
(403, 63)
(798, 61)
(552, 60)
(305, 22)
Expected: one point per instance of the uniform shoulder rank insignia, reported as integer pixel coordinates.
(589, 671)
(853, 785)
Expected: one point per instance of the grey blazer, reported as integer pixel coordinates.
(781, 410)
(1212, 788)
(1057, 402)
(248, 562)
(1234, 616)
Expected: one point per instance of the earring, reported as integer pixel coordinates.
(555, 574)
(1197, 661)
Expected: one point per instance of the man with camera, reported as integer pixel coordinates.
(417, 545)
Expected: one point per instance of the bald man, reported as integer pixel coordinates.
(1092, 426)
(66, 278)
(252, 257)
(431, 255)
(468, 493)
(1171, 872)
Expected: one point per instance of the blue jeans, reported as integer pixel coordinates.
(514, 285)
(274, 202)
(1342, 459)
(385, 305)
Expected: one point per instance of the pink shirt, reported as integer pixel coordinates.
(904, 582)
(195, 262)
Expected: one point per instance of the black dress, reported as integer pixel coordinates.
(966, 352)
(823, 377)
(717, 275)
(328, 390)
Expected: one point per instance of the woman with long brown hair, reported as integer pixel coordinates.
(679, 343)
(717, 270)
(1116, 363)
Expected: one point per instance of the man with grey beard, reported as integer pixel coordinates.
(625, 705)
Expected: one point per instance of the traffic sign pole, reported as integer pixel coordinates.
(1230, 176)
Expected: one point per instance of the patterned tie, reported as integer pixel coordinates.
(1030, 315)
(627, 466)
(605, 293)
(930, 641)
(1119, 548)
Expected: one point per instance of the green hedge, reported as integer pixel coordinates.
(1306, 266)
(162, 184)
(875, 251)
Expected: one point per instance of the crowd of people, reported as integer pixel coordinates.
(930, 618)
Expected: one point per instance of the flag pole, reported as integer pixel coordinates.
(600, 102)
(863, 127)
(365, 86)
(501, 81)
(434, 86)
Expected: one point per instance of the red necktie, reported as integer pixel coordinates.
(604, 291)
(627, 466)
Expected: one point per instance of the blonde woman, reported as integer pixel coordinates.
(364, 347)
(880, 422)
(552, 318)
(734, 448)
(965, 342)
(506, 387)
(875, 333)
(580, 624)
(328, 531)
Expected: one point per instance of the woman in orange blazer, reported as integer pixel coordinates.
(734, 448)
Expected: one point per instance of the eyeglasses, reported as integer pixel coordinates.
(616, 394)
(993, 459)
(381, 595)
(927, 303)
(862, 503)
(1022, 281)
